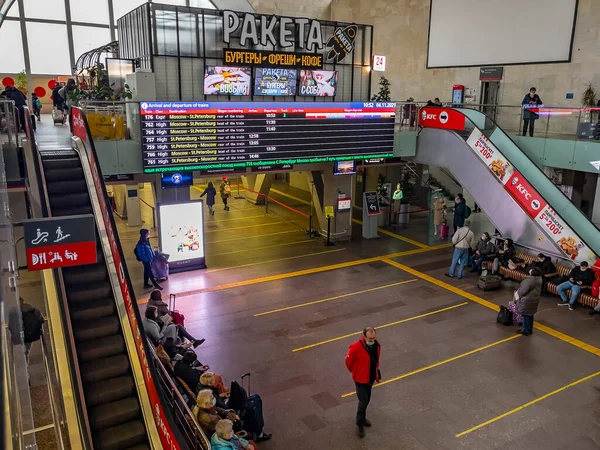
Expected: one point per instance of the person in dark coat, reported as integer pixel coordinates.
(528, 298)
(543, 262)
(12, 93)
(531, 100)
(460, 211)
(210, 193)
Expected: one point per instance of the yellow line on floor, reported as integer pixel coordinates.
(221, 230)
(398, 322)
(337, 297)
(533, 402)
(275, 260)
(538, 326)
(441, 363)
(246, 250)
(253, 237)
(290, 196)
(396, 236)
(209, 222)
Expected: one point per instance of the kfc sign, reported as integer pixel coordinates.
(525, 195)
(449, 119)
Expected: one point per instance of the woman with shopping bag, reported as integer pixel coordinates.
(527, 298)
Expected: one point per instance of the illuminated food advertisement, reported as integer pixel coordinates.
(227, 80)
(275, 82)
(318, 83)
(182, 234)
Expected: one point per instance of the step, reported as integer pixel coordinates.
(96, 329)
(114, 413)
(90, 311)
(65, 187)
(101, 348)
(81, 292)
(71, 200)
(121, 437)
(91, 273)
(63, 174)
(109, 391)
(105, 369)
(71, 211)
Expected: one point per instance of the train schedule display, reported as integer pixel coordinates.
(203, 135)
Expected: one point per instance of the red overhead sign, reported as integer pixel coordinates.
(446, 118)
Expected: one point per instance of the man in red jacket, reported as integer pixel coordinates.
(363, 363)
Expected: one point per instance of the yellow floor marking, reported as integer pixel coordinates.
(290, 196)
(253, 237)
(397, 236)
(440, 363)
(275, 260)
(538, 326)
(533, 402)
(337, 297)
(246, 250)
(222, 230)
(210, 222)
(398, 322)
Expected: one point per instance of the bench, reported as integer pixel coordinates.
(585, 297)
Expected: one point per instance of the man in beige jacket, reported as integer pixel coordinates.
(462, 240)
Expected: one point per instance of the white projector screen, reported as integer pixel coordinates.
(491, 32)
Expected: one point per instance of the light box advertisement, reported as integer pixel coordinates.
(276, 82)
(318, 83)
(181, 231)
(227, 80)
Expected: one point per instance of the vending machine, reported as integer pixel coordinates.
(458, 93)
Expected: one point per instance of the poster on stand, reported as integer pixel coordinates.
(181, 231)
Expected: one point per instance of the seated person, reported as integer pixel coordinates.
(156, 329)
(580, 278)
(543, 262)
(484, 250)
(156, 300)
(505, 253)
(189, 369)
(214, 382)
(225, 439)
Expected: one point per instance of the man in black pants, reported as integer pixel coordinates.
(531, 100)
(362, 361)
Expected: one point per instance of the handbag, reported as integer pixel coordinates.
(505, 316)
(512, 265)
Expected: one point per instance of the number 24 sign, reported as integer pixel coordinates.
(379, 63)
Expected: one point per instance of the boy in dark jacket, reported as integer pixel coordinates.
(144, 254)
(580, 277)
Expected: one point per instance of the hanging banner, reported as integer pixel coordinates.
(530, 200)
(447, 119)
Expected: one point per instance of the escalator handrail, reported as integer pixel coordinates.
(89, 149)
(62, 293)
(498, 127)
(37, 169)
(474, 126)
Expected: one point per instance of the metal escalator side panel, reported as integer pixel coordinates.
(157, 425)
(446, 149)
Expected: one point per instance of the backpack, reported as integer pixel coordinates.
(227, 189)
(38, 104)
(32, 326)
(238, 397)
(467, 211)
(136, 253)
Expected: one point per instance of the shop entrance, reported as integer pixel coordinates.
(489, 97)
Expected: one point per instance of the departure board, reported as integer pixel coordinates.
(232, 135)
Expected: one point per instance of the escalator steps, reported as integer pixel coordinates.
(62, 187)
(63, 174)
(109, 390)
(83, 293)
(85, 274)
(96, 329)
(104, 369)
(121, 437)
(97, 310)
(70, 201)
(110, 414)
(101, 348)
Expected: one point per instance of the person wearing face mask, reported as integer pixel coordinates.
(581, 277)
(527, 298)
(208, 414)
(531, 100)
(505, 254)
(484, 251)
(158, 332)
(225, 439)
(189, 369)
(362, 361)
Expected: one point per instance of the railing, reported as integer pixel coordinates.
(183, 416)
(153, 211)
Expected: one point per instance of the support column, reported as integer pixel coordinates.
(258, 187)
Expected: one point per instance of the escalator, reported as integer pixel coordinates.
(521, 202)
(111, 398)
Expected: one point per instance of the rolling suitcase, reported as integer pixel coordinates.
(489, 283)
(178, 318)
(58, 116)
(444, 231)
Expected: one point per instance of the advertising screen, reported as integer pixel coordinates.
(227, 80)
(181, 229)
(344, 168)
(278, 82)
(318, 83)
(176, 179)
(225, 136)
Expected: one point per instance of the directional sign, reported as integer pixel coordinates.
(60, 242)
(596, 164)
(372, 203)
(329, 212)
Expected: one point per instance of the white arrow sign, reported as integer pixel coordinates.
(373, 207)
(596, 164)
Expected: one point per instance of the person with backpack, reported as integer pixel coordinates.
(37, 106)
(461, 212)
(144, 254)
(225, 190)
(211, 193)
(31, 324)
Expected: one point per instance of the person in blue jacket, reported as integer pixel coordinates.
(531, 100)
(144, 254)
(460, 211)
(210, 193)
